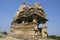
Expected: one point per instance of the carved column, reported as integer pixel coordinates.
(23, 21)
(35, 27)
(44, 30)
(34, 20)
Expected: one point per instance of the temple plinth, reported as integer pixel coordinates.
(25, 23)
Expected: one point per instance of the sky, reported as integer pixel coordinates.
(8, 10)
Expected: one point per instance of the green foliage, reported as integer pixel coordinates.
(5, 32)
(52, 36)
(1, 36)
(58, 37)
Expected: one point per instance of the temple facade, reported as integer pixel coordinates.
(26, 21)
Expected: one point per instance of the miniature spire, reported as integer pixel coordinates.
(23, 5)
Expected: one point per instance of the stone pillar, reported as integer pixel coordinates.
(34, 20)
(44, 30)
(35, 27)
(23, 21)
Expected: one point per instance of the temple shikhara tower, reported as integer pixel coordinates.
(25, 24)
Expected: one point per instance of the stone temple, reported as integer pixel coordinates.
(26, 21)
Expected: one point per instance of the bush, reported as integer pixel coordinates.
(52, 36)
(0, 36)
(5, 32)
(58, 37)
